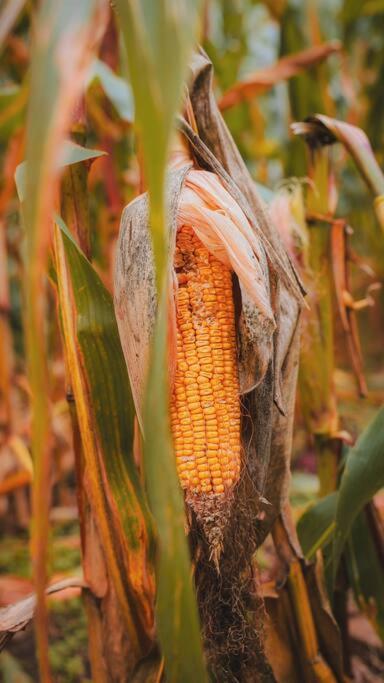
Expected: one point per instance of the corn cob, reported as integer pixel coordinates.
(205, 406)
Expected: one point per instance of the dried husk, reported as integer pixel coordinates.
(268, 359)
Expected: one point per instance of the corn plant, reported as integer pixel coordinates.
(178, 333)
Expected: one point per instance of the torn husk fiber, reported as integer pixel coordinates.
(231, 504)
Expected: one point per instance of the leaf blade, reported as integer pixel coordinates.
(105, 414)
(70, 153)
(315, 527)
(362, 477)
(65, 35)
(158, 39)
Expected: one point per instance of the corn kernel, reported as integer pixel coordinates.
(205, 407)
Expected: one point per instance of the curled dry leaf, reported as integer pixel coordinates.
(16, 617)
(324, 130)
(14, 481)
(287, 67)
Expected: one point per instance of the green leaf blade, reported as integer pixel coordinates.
(116, 89)
(102, 392)
(62, 28)
(366, 572)
(159, 39)
(362, 477)
(70, 153)
(316, 526)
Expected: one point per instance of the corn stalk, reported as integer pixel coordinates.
(316, 373)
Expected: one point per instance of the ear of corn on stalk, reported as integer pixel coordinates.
(205, 409)
(212, 245)
(221, 208)
(214, 241)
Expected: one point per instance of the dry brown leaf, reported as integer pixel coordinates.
(16, 617)
(14, 481)
(324, 130)
(285, 68)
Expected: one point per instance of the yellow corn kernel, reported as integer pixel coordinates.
(205, 406)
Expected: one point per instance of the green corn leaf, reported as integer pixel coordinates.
(365, 572)
(316, 530)
(158, 39)
(116, 89)
(362, 477)
(316, 526)
(105, 412)
(70, 153)
(65, 36)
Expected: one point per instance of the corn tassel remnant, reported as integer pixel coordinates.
(205, 406)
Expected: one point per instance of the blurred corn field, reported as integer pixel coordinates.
(191, 332)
